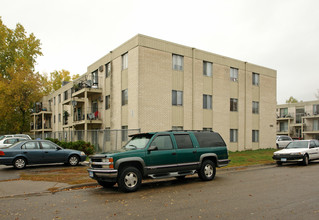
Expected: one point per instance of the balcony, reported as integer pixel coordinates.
(92, 117)
(86, 87)
(310, 129)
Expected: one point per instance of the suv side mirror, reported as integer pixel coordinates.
(152, 148)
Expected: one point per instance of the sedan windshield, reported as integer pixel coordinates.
(298, 144)
(138, 142)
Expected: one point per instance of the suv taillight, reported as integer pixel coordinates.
(1, 153)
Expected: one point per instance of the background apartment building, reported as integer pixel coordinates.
(153, 85)
(299, 120)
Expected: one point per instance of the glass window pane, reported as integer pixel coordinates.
(183, 141)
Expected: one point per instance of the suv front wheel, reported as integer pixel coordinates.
(130, 179)
(207, 171)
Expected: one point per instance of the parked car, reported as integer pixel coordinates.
(6, 142)
(160, 155)
(282, 141)
(15, 135)
(298, 151)
(38, 152)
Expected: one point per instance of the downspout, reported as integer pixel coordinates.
(193, 88)
(245, 109)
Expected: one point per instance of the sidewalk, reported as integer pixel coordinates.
(25, 187)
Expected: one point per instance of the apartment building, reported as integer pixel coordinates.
(298, 120)
(155, 85)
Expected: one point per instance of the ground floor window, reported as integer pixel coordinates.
(255, 135)
(124, 133)
(233, 135)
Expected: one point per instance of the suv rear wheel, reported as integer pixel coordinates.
(207, 170)
(130, 179)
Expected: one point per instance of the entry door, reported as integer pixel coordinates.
(187, 155)
(164, 158)
(51, 154)
(32, 152)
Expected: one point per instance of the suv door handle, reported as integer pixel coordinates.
(194, 151)
(174, 153)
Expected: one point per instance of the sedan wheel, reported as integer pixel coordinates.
(74, 160)
(305, 160)
(20, 163)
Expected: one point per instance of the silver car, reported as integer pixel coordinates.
(282, 141)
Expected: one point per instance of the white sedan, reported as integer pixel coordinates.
(298, 151)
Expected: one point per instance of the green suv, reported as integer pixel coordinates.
(160, 155)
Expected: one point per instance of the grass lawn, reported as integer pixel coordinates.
(251, 157)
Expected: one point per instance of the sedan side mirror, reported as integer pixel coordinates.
(58, 148)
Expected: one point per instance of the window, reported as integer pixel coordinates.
(255, 107)
(315, 125)
(107, 134)
(283, 112)
(177, 128)
(59, 98)
(54, 119)
(209, 139)
(124, 61)
(300, 112)
(124, 133)
(255, 79)
(233, 105)
(207, 102)
(59, 117)
(65, 95)
(163, 142)
(283, 126)
(95, 78)
(255, 136)
(107, 70)
(178, 62)
(183, 141)
(47, 145)
(54, 100)
(207, 68)
(107, 102)
(233, 135)
(316, 109)
(124, 97)
(233, 74)
(30, 145)
(177, 97)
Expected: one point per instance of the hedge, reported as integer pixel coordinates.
(86, 147)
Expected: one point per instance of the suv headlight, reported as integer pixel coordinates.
(108, 162)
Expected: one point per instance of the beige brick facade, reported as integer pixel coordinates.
(150, 80)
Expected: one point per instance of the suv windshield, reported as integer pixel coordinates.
(298, 144)
(138, 142)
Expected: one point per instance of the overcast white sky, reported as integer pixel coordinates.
(282, 35)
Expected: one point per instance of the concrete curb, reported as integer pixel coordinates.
(56, 188)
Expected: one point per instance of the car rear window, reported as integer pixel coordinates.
(209, 139)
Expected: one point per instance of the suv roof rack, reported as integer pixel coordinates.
(191, 130)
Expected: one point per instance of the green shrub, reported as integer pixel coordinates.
(86, 147)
